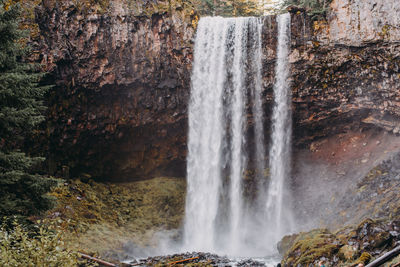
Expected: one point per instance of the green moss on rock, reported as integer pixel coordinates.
(101, 217)
(348, 246)
(309, 247)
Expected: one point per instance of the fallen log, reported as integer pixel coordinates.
(385, 257)
(99, 261)
(182, 261)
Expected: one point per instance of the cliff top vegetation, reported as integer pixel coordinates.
(315, 8)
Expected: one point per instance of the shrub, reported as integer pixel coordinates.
(42, 247)
(315, 8)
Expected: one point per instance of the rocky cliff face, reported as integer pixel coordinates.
(119, 107)
(122, 82)
(340, 82)
(358, 23)
(346, 107)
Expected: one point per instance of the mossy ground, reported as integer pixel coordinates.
(307, 248)
(348, 246)
(101, 217)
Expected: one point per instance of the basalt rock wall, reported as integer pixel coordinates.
(346, 71)
(346, 109)
(342, 78)
(119, 108)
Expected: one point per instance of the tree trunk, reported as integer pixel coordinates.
(385, 257)
(99, 261)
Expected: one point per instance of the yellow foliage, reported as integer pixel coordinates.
(20, 247)
(385, 33)
(320, 25)
(364, 258)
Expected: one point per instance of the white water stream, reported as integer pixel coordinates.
(278, 212)
(226, 87)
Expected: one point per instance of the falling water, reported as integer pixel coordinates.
(279, 153)
(226, 87)
(237, 130)
(206, 134)
(257, 106)
(217, 120)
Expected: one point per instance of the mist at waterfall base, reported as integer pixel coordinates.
(229, 212)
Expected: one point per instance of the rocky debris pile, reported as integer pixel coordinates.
(376, 195)
(308, 248)
(348, 246)
(250, 262)
(193, 259)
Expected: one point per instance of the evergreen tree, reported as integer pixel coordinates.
(22, 192)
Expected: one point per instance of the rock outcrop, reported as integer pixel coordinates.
(119, 106)
(349, 246)
(358, 23)
(347, 75)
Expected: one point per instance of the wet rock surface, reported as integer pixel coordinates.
(194, 259)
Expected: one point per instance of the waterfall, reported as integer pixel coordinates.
(206, 134)
(226, 86)
(279, 153)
